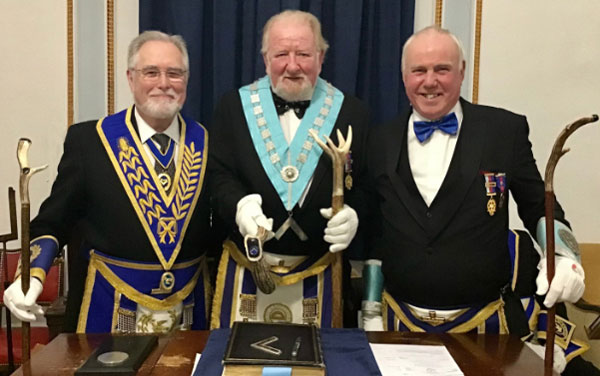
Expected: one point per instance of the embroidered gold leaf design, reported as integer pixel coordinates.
(139, 174)
(143, 322)
(35, 250)
(139, 181)
(156, 213)
(192, 162)
(131, 164)
(159, 326)
(147, 324)
(144, 187)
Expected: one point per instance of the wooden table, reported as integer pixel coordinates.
(475, 354)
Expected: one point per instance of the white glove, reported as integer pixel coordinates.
(341, 228)
(567, 284)
(24, 306)
(559, 360)
(249, 216)
(372, 323)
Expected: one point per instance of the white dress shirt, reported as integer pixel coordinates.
(146, 132)
(429, 161)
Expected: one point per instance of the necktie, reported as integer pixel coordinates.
(424, 129)
(163, 159)
(282, 106)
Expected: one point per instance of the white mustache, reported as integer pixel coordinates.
(170, 92)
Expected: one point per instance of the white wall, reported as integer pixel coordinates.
(33, 100)
(33, 71)
(542, 59)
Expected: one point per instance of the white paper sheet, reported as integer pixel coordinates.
(198, 356)
(414, 360)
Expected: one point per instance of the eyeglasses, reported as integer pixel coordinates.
(152, 74)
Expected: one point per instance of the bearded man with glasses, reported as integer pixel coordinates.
(142, 212)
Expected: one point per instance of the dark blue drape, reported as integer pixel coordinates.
(224, 38)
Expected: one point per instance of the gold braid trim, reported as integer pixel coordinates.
(136, 296)
(192, 161)
(516, 261)
(215, 316)
(472, 323)
(39, 273)
(87, 298)
(389, 301)
(319, 266)
(138, 266)
(565, 337)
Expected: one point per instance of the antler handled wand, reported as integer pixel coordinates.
(25, 174)
(555, 155)
(338, 155)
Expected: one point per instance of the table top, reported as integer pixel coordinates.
(475, 354)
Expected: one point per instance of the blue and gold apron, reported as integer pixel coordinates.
(236, 293)
(483, 318)
(114, 287)
(112, 292)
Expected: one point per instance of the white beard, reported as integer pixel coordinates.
(160, 108)
(303, 93)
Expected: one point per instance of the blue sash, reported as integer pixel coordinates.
(164, 217)
(270, 143)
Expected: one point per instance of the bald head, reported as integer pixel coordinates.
(433, 68)
(429, 31)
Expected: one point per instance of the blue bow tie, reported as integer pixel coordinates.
(424, 129)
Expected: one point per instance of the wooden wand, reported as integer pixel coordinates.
(555, 155)
(25, 174)
(338, 155)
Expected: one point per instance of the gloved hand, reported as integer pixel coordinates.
(249, 216)
(22, 306)
(559, 363)
(372, 323)
(341, 228)
(567, 284)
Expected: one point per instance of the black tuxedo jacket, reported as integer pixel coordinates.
(235, 171)
(453, 252)
(88, 192)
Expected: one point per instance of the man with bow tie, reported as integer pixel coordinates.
(134, 182)
(443, 172)
(270, 176)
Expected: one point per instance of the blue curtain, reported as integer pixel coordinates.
(224, 38)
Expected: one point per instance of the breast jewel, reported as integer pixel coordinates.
(289, 172)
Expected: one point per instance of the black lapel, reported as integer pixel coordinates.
(463, 169)
(399, 172)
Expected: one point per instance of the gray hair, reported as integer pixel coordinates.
(153, 35)
(439, 30)
(299, 16)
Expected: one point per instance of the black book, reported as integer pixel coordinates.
(254, 345)
(136, 347)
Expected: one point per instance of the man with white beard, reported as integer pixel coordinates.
(133, 181)
(267, 172)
